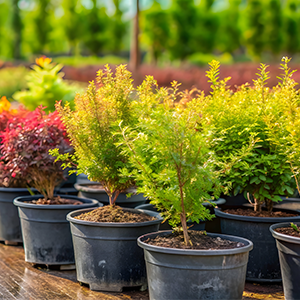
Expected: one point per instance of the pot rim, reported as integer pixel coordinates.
(71, 219)
(16, 189)
(19, 201)
(196, 252)
(84, 187)
(284, 237)
(221, 214)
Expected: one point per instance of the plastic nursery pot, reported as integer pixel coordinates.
(231, 200)
(211, 226)
(107, 255)
(289, 257)
(288, 203)
(88, 190)
(10, 227)
(46, 232)
(263, 265)
(195, 274)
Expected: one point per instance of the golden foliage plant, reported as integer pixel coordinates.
(91, 128)
(254, 114)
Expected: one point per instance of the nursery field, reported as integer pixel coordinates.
(20, 280)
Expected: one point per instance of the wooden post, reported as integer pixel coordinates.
(135, 50)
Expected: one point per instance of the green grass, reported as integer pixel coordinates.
(79, 61)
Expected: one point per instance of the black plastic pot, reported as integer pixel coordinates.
(231, 200)
(46, 232)
(107, 255)
(10, 228)
(288, 203)
(195, 274)
(289, 257)
(263, 265)
(86, 191)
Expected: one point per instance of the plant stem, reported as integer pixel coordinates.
(182, 214)
(257, 205)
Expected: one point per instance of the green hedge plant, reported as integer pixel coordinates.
(236, 119)
(172, 162)
(284, 124)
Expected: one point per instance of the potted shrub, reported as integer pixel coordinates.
(46, 86)
(10, 229)
(236, 119)
(112, 258)
(100, 159)
(287, 236)
(25, 146)
(286, 132)
(174, 168)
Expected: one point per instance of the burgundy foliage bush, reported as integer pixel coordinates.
(25, 151)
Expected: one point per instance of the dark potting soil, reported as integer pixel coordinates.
(251, 213)
(115, 214)
(55, 201)
(199, 239)
(289, 231)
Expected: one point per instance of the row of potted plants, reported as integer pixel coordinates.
(179, 149)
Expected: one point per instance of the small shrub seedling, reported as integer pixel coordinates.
(168, 149)
(295, 227)
(91, 128)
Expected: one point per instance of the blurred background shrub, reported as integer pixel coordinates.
(12, 79)
(46, 86)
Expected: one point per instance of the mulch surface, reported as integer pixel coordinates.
(289, 231)
(114, 213)
(251, 213)
(56, 201)
(199, 240)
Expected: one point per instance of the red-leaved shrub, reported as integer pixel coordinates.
(25, 151)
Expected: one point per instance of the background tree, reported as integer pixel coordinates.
(72, 23)
(183, 23)
(206, 28)
(156, 30)
(96, 21)
(274, 26)
(17, 27)
(5, 30)
(117, 29)
(291, 27)
(42, 24)
(254, 35)
(229, 34)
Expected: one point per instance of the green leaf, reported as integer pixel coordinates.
(253, 180)
(262, 177)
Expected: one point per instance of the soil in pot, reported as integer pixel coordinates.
(267, 214)
(57, 200)
(114, 213)
(200, 240)
(288, 231)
